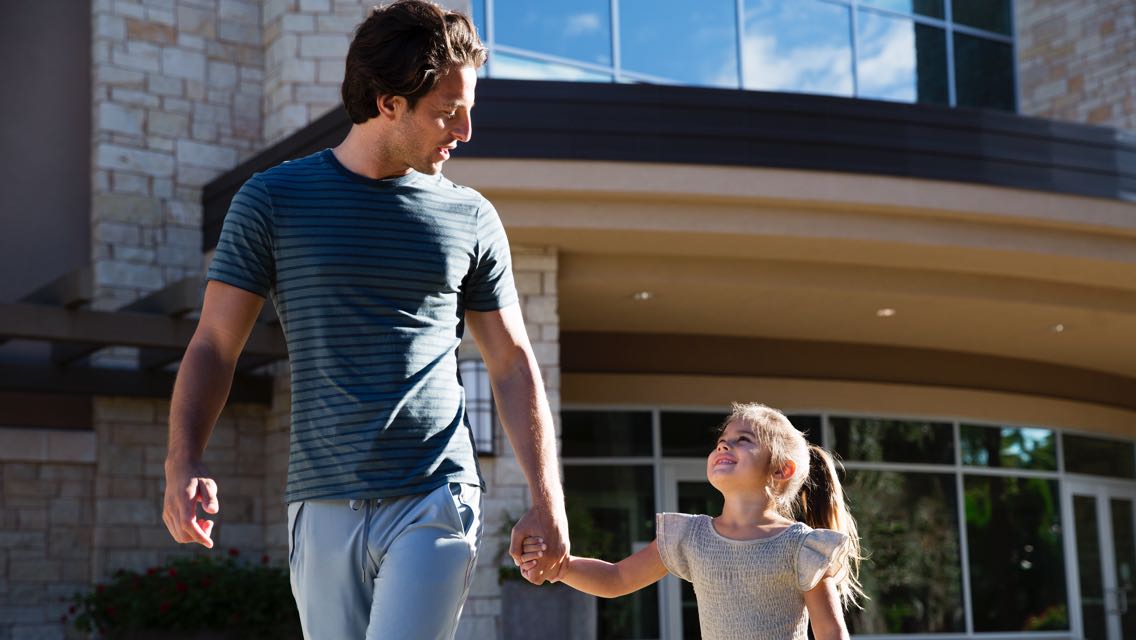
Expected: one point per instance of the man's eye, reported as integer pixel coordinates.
(451, 115)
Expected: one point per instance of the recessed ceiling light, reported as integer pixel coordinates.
(641, 296)
(1057, 328)
(885, 312)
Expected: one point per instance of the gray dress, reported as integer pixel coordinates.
(749, 589)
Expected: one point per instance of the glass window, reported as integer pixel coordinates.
(991, 15)
(984, 73)
(932, 8)
(901, 60)
(1012, 447)
(876, 440)
(575, 29)
(585, 434)
(1017, 566)
(1093, 618)
(679, 40)
(801, 46)
(1099, 457)
(810, 426)
(611, 514)
(689, 433)
(909, 532)
(477, 12)
(521, 68)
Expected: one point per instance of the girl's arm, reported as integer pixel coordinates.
(825, 612)
(605, 579)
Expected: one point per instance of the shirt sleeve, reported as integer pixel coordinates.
(489, 285)
(673, 534)
(244, 255)
(823, 553)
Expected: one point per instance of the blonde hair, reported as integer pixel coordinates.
(813, 493)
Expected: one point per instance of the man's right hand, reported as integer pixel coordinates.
(185, 487)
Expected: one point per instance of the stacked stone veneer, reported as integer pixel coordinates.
(1077, 60)
(178, 89)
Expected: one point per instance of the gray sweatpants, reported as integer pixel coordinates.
(392, 568)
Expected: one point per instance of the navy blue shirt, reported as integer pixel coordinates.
(371, 280)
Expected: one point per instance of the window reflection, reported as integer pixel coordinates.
(1099, 457)
(679, 40)
(575, 29)
(991, 15)
(586, 434)
(1019, 448)
(932, 8)
(797, 46)
(984, 73)
(910, 534)
(1017, 568)
(611, 514)
(876, 440)
(901, 60)
(521, 68)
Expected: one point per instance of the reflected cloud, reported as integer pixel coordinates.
(582, 23)
(818, 68)
(506, 66)
(887, 59)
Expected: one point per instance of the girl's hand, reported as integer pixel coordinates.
(532, 549)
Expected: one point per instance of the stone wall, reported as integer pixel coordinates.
(1077, 60)
(177, 92)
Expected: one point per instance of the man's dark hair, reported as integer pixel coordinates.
(403, 49)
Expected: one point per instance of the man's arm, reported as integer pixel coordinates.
(525, 414)
(203, 382)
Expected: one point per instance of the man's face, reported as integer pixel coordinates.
(438, 122)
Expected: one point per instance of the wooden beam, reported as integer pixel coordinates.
(91, 381)
(117, 328)
(73, 290)
(175, 300)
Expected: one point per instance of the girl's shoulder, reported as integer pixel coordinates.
(675, 526)
(821, 553)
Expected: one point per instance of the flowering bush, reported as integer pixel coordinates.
(193, 594)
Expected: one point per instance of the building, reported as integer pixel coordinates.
(913, 229)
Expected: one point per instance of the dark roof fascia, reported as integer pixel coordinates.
(524, 119)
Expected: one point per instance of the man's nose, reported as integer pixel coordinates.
(463, 130)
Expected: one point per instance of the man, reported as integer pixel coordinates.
(376, 264)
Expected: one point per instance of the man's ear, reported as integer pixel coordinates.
(390, 106)
(787, 470)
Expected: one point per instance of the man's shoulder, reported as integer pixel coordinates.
(459, 193)
(291, 169)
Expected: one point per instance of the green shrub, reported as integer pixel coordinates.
(201, 593)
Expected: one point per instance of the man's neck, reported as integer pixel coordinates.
(361, 152)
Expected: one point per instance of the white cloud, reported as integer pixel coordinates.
(582, 24)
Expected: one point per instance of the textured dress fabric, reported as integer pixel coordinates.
(750, 589)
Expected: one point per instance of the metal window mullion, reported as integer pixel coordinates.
(739, 11)
(490, 36)
(952, 94)
(1014, 56)
(964, 537)
(854, 27)
(548, 57)
(616, 58)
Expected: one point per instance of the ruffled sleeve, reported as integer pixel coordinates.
(823, 553)
(673, 531)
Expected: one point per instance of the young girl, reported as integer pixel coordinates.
(757, 572)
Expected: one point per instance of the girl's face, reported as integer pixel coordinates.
(738, 461)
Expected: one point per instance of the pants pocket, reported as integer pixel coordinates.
(294, 511)
(467, 506)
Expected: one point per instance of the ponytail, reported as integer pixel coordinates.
(821, 505)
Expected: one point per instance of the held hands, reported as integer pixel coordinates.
(185, 487)
(550, 527)
(532, 549)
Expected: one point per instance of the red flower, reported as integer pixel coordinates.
(110, 611)
(173, 572)
(205, 582)
(152, 571)
(100, 588)
(264, 559)
(182, 587)
(233, 552)
(164, 607)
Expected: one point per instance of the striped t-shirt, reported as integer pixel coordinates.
(371, 280)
